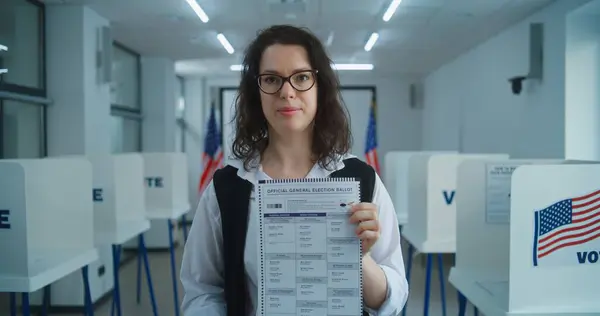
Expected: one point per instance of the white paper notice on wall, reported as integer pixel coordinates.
(497, 192)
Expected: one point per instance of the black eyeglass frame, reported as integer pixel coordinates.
(287, 79)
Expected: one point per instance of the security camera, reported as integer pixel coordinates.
(517, 84)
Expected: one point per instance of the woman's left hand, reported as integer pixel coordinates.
(365, 215)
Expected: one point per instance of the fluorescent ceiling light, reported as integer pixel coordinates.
(225, 43)
(372, 39)
(3, 71)
(235, 67)
(334, 66)
(199, 12)
(352, 66)
(391, 10)
(3, 48)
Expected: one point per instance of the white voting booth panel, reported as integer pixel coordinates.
(166, 182)
(46, 221)
(166, 191)
(119, 198)
(432, 209)
(496, 237)
(396, 179)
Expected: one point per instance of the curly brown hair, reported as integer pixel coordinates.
(331, 127)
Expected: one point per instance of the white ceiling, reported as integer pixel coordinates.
(421, 36)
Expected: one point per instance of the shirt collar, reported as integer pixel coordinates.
(317, 171)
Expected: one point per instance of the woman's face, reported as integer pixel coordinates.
(288, 88)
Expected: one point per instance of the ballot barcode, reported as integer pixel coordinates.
(276, 205)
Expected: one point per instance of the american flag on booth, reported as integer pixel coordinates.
(371, 141)
(565, 224)
(212, 158)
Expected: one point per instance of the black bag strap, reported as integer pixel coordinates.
(354, 167)
(233, 195)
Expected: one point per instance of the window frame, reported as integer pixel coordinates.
(127, 112)
(30, 95)
(30, 91)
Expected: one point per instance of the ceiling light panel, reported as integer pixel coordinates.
(391, 10)
(334, 66)
(371, 41)
(223, 40)
(198, 10)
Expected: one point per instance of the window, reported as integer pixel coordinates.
(22, 79)
(125, 101)
(126, 134)
(125, 88)
(22, 130)
(22, 50)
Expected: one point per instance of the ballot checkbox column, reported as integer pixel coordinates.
(280, 248)
(311, 262)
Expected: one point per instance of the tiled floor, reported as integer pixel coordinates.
(160, 267)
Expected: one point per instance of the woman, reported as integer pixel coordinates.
(291, 123)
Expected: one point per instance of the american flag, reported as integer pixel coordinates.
(566, 223)
(371, 143)
(212, 158)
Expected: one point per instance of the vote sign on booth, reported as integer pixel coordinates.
(166, 183)
(4, 219)
(568, 231)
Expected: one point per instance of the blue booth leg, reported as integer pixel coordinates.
(184, 227)
(116, 305)
(173, 273)
(442, 283)
(144, 253)
(462, 304)
(139, 271)
(408, 268)
(89, 308)
(142, 257)
(475, 311)
(427, 284)
(26, 310)
(46, 300)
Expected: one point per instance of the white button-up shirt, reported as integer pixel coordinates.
(202, 266)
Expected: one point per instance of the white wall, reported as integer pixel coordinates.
(159, 99)
(399, 126)
(78, 120)
(469, 105)
(582, 114)
(22, 131)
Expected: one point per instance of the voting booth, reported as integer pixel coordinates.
(528, 237)
(166, 183)
(119, 198)
(396, 179)
(431, 227)
(120, 212)
(431, 200)
(46, 222)
(167, 201)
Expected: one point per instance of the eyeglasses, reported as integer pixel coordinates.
(300, 81)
